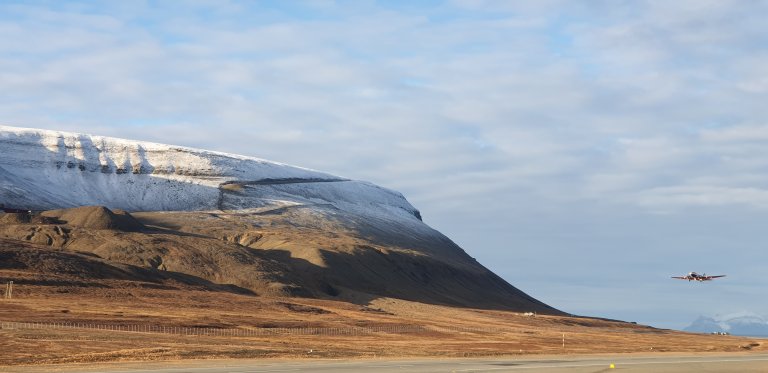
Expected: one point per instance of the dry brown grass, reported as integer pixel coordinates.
(122, 304)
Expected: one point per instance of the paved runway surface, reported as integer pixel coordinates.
(661, 364)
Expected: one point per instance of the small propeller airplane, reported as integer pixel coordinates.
(693, 276)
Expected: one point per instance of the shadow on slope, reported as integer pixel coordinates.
(367, 273)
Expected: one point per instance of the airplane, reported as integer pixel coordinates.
(697, 277)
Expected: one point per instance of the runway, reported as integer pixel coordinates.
(661, 364)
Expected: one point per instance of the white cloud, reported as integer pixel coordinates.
(737, 134)
(671, 197)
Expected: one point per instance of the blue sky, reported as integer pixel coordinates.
(584, 151)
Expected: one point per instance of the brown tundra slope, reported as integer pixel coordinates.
(270, 251)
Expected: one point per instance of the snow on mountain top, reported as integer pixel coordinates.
(43, 169)
(78, 147)
(740, 323)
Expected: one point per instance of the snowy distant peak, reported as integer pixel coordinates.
(41, 169)
(742, 323)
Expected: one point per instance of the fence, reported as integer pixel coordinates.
(245, 332)
(239, 332)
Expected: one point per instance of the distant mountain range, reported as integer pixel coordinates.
(743, 323)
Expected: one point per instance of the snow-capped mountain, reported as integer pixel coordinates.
(743, 323)
(41, 169)
(313, 228)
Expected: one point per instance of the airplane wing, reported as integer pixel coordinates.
(680, 278)
(711, 277)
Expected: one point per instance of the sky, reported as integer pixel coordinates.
(585, 151)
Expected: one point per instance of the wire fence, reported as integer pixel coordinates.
(243, 331)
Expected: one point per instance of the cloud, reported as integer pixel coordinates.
(671, 197)
(736, 134)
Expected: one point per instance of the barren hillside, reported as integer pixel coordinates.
(271, 252)
(260, 226)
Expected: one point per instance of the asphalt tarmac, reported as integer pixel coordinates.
(661, 364)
